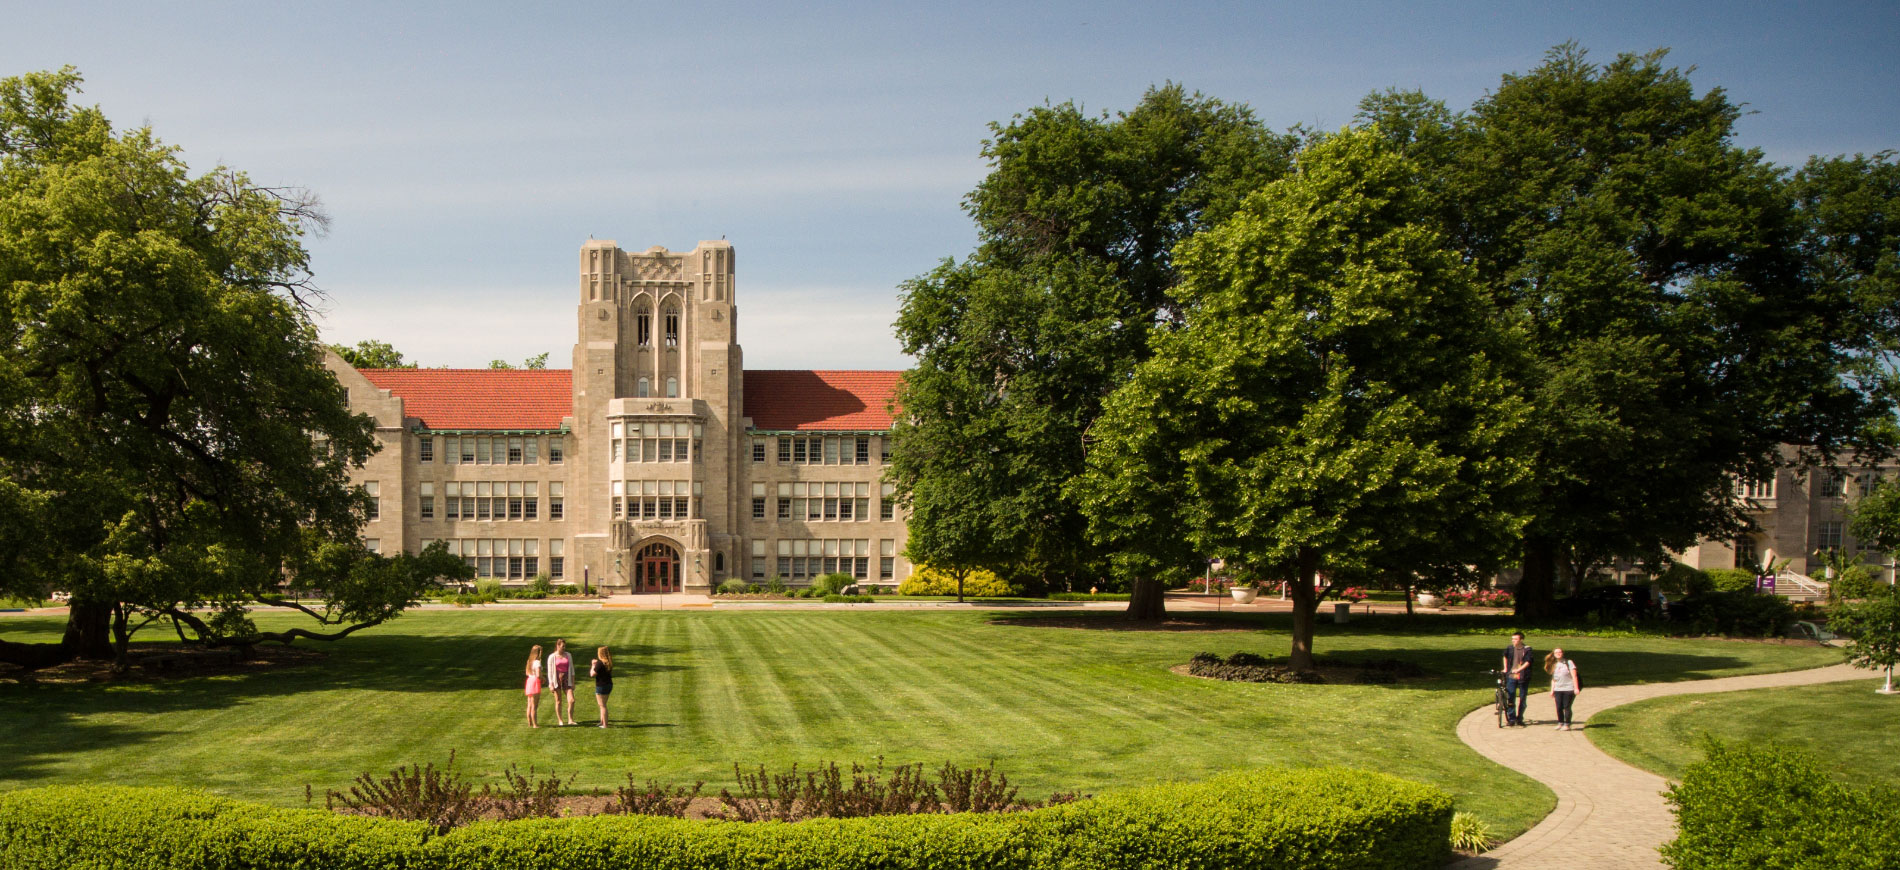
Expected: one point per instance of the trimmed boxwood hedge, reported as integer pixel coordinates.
(1761, 806)
(1277, 818)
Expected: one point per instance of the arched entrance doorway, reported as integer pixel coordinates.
(656, 568)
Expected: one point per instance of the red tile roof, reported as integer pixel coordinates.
(805, 401)
(450, 399)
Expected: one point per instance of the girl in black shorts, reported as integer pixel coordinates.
(603, 671)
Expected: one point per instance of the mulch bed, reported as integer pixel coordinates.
(160, 662)
(1250, 668)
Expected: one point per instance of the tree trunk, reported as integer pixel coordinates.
(1536, 590)
(1147, 601)
(88, 631)
(121, 639)
(1305, 604)
(960, 586)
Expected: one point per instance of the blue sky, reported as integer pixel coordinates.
(466, 150)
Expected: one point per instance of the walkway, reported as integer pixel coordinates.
(1609, 814)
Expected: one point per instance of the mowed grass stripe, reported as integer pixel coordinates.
(1057, 708)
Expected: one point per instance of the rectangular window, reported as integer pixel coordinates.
(1756, 488)
(452, 450)
(798, 450)
(374, 545)
(514, 508)
(613, 451)
(530, 450)
(425, 503)
(468, 450)
(1828, 536)
(784, 450)
(831, 451)
(887, 561)
(451, 499)
(514, 451)
(831, 509)
(758, 450)
(556, 444)
(1832, 482)
(679, 449)
(425, 448)
(844, 509)
(481, 451)
(555, 506)
(374, 491)
(864, 450)
(758, 507)
(884, 449)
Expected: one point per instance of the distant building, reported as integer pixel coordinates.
(1800, 512)
(656, 463)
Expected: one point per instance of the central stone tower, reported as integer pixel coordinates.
(658, 389)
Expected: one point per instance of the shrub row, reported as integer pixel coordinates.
(1749, 806)
(1306, 818)
(1740, 613)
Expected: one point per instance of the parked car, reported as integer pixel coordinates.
(1611, 603)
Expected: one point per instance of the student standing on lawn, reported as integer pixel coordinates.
(1517, 678)
(561, 678)
(602, 671)
(1564, 684)
(534, 687)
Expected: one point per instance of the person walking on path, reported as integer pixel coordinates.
(602, 670)
(560, 675)
(1564, 685)
(533, 688)
(1517, 678)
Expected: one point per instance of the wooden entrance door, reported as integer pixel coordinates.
(656, 568)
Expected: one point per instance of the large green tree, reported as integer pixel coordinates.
(1690, 305)
(1018, 344)
(171, 447)
(372, 354)
(1335, 401)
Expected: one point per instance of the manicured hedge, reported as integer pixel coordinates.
(1306, 818)
(1749, 806)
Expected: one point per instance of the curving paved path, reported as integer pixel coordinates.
(1609, 814)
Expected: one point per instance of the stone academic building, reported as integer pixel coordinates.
(657, 463)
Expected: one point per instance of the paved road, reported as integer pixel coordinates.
(1609, 814)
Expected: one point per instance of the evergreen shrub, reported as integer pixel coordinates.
(1316, 818)
(1741, 613)
(1752, 806)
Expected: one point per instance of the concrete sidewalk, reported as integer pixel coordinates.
(1609, 814)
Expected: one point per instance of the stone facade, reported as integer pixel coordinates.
(1800, 512)
(642, 468)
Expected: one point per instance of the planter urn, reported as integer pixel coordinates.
(1244, 594)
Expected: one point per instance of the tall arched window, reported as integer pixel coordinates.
(672, 388)
(643, 326)
(643, 389)
(672, 327)
(719, 563)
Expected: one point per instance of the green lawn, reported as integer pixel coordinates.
(1057, 708)
(1845, 725)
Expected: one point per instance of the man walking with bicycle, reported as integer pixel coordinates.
(1517, 678)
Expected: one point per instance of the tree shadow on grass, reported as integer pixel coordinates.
(1459, 651)
(47, 721)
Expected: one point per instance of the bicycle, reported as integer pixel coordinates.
(1503, 705)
